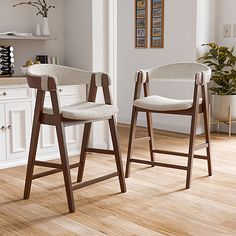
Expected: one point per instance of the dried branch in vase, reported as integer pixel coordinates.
(40, 5)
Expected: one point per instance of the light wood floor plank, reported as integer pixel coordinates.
(156, 202)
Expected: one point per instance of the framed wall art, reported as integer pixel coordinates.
(157, 24)
(141, 25)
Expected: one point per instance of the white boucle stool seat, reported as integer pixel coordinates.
(158, 103)
(86, 111)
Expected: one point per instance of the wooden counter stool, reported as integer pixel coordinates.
(45, 78)
(156, 104)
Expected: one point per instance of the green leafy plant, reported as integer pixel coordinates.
(222, 62)
(41, 6)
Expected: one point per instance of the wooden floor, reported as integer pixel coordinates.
(156, 202)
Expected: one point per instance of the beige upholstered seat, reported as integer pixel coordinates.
(158, 103)
(86, 111)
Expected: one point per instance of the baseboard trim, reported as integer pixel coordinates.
(22, 162)
(162, 125)
(47, 156)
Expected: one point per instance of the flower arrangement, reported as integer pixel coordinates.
(41, 6)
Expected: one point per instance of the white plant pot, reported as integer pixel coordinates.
(45, 27)
(221, 105)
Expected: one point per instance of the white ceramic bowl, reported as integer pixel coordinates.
(24, 70)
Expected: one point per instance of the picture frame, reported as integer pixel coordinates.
(157, 24)
(141, 23)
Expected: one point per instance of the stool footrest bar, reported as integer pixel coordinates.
(154, 163)
(93, 181)
(102, 151)
(171, 153)
(48, 164)
(200, 157)
(51, 172)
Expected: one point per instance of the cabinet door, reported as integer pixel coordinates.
(2, 134)
(48, 141)
(19, 124)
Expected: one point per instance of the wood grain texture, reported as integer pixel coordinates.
(155, 202)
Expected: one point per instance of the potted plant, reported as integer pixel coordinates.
(223, 81)
(43, 9)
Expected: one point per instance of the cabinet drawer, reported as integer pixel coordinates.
(14, 93)
(70, 90)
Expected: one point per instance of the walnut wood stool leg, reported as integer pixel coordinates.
(208, 140)
(32, 156)
(150, 134)
(85, 141)
(191, 149)
(65, 165)
(33, 143)
(131, 140)
(116, 147)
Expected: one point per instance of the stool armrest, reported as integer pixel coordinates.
(200, 79)
(44, 82)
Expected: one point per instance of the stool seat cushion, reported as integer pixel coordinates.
(158, 103)
(86, 111)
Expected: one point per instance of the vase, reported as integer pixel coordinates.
(37, 31)
(45, 27)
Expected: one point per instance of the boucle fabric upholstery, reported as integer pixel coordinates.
(63, 74)
(158, 103)
(86, 111)
(177, 71)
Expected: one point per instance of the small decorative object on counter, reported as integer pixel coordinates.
(28, 63)
(43, 59)
(55, 60)
(6, 61)
(42, 8)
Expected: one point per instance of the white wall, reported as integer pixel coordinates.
(207, 24)
(24, 19)
(78, 34)
(226, 15)
(180, 46)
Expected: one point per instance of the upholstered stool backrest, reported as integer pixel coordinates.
(180, 71)
(63, 75)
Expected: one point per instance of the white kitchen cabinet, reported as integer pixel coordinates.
(18, 129)
(16, 116)
(48, 140)
(15, 124)
(2, 134)
(47, 137)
